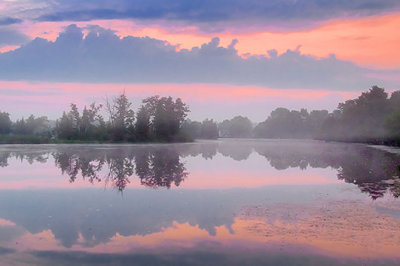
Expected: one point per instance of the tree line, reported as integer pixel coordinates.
(372, 117)
(158, 119)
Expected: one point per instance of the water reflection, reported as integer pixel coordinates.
(374, 171)
(322, 221)
(159, 167)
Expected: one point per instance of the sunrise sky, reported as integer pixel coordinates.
(223, 57)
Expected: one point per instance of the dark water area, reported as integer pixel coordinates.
(226, 202)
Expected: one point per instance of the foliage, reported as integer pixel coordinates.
(192, 128)
(283, 123)
(209, 129)
(5, 123)
(88, 126)
(237, 127)
(166, 116)
(121, 118)
(158, 119)
(142, 126)
(372, 117)
(392, 125)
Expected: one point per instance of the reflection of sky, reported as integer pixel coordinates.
(234, 202)
(335, 221)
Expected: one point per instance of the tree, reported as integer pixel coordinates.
(90, 122)
(142, 126)
(121, 118)
(392, 125)
(237, 127)
(31, 126)
(282, 123)
(315, 121)
(360, 119)
(19, 127)
(209, 129)
(192, 129)
(5, 123)
(86, 127)
(64, 127)
(394, 101)
(166, 116)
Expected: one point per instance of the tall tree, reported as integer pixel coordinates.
(121, 117)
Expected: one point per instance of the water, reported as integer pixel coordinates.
(230, 202)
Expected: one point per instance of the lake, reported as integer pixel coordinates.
(224, 202)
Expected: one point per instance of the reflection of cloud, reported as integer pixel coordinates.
(6, 223)
(352, 229)
(338, 228)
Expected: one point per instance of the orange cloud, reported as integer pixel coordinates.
(371, 41)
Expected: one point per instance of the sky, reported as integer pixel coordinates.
(222, 57)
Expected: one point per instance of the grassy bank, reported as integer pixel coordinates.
(373, 141)
(21, 139)
(34, 139)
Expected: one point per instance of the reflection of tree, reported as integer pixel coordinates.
(372, 170)
(297, 154)
(238, 151)
(207, 149)
(156, 167)
(160, 168)
(120, 169)
(4, 158)
(87, 164)
(30, 157)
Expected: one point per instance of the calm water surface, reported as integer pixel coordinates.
(230, 202)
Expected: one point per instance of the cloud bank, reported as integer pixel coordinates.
(101, 56)
(10, 36)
